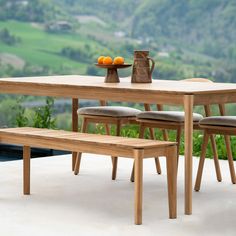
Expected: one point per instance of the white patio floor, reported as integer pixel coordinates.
(62, 204)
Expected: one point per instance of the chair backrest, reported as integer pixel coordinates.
(206, 107)
(198, 80)
(160, 107)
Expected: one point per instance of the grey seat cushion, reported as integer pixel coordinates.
(175, 116)
(219, 120)
(111, 111)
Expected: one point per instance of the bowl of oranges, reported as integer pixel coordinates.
(112, 65)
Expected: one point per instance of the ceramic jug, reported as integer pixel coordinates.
(142, 72)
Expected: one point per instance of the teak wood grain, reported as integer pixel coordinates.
(138, 149)
(82, 142)
(93, 87)
(158, 92)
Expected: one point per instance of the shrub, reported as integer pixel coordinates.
(7, 38)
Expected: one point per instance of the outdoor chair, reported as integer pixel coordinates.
(174, 120)
(108, 115)
(224, 125)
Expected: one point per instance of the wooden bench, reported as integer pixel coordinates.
(138, 149)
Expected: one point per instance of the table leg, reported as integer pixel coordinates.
(188, 141)
(138, 185)
(75, 106)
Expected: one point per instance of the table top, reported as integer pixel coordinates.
(161, 86)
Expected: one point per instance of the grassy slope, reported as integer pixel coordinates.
(40, 48)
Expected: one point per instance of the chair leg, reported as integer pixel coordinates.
(104, 103)
(79, 154)
(107, 129)
(213, 143)
(158, 165)
(201, 162)
(230, 158)
(157, 162)
(171, 165)
(141, 135)
(165, 134)
(178, 141)
(115, 159)
(216, 160)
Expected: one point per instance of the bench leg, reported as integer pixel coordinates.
(26, 170)
(171, 164)
(138, 187)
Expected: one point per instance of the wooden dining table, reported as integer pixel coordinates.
(166, 92)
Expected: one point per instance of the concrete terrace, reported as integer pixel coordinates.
(62, 204)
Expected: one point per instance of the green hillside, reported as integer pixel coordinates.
(42, 49)
(199, 35)
(208, 25)
(195, 37)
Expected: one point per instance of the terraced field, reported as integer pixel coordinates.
(40, 48)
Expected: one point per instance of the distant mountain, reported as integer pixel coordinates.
(196, 37)
(25, 10)
(192, 28)
(207, 26)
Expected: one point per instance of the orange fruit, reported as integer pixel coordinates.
(119, 61)
(100, 60)
(107, 60)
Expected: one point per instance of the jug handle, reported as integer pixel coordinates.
(153, 64)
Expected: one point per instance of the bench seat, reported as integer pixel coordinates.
(83, 142)
(98, 144)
